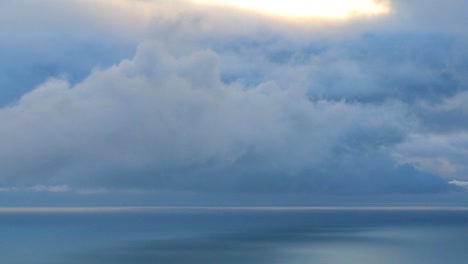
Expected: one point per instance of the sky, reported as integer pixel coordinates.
(176, 101)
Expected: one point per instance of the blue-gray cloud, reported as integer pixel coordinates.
(51, 38)
(206, 105)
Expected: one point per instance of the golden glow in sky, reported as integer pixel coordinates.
(306, 8)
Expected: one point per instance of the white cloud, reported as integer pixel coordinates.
(170, 112)
(463, 184)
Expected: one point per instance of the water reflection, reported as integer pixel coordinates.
(304, 237)
(235, 236)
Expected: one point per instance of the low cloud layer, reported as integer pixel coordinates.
(243, 103)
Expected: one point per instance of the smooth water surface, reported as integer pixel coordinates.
(234, 235)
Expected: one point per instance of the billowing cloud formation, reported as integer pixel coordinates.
(63, 38)
(206, 104)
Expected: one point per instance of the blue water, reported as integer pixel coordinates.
(234, 235)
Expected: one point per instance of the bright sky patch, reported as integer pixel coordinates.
(334, 9)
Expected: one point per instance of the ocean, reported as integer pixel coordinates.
(263, 235)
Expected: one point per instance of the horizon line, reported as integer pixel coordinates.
(123, 209)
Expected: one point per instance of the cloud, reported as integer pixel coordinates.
(444, 154)
(419, 15)
(92, 191)
(163, 121)
(463, 184)
(37, 188)
(439, 140)
(54, 38)
(207, 105)
(2, 190)
(447, 117)
(52, 189)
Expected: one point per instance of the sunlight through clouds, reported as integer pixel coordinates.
(334, 9)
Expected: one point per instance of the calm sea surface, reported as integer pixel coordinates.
(234, 235)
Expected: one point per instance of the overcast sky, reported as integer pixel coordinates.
(108, 98)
